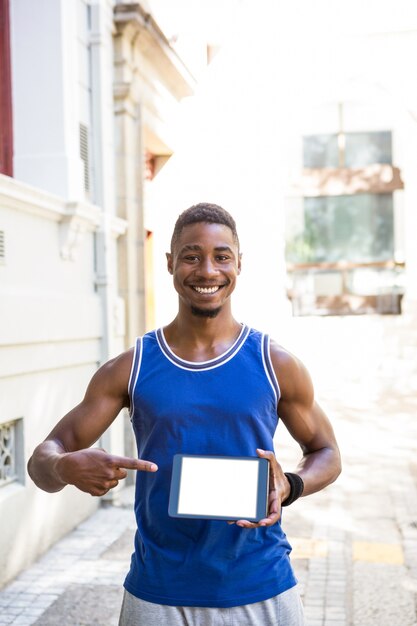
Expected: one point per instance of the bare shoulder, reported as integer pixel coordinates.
(121, 364)
(292, 375)
(112, 378)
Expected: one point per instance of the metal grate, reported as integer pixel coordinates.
(2, 247)
(84, 154)
(8, 471)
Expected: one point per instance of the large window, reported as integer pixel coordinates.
(340, 247)
(356, 228)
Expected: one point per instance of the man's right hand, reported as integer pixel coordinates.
(95, 471)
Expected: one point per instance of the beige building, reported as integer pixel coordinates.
(350, 192)
(91, 91)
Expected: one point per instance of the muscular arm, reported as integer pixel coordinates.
(320, 464)
(307, 423)
(65, 457)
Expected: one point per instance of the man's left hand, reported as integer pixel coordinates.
(279, 490)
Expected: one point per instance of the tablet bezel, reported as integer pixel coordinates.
(262, 487)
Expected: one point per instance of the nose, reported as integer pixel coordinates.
(207, 268)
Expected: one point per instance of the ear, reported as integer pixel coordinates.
(169, 262)
(239, 263)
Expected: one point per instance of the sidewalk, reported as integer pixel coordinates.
(79, 580)
(355, 543)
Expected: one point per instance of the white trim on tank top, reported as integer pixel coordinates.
(199, 366)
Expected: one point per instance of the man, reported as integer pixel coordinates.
(204, 384)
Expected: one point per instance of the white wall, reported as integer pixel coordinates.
(50, 331)
(60, 315)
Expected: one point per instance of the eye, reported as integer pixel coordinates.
(223, 257)
(191, 258)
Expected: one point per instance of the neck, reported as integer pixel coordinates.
(200, 338)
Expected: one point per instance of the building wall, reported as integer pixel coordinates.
(50, 335)
(367, 72)
(60, 314)
(88, 99)
(302, 61)
(150, 82)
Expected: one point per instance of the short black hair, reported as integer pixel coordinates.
(204, 212)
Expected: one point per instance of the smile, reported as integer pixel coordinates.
(206, 289)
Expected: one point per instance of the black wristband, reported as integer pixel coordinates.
(296, 488)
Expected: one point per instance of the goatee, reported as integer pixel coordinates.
(205, 312)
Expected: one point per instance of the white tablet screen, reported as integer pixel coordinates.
(224, 487)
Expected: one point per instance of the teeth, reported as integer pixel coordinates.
(206, 289)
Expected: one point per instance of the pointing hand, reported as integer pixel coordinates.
(95, 471)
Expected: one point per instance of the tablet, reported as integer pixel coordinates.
(219, 487)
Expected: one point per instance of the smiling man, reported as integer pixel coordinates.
(206, 385)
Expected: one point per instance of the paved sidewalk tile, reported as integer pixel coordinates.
(355, 543)
(79, 580)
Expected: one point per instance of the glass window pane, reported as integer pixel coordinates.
(355, 228)
(320, 151)
(363, 149)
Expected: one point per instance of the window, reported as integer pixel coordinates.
(362, 149)
(340, 244)
(11, 448)
(320, 151)
(354, 150)
(357, 228)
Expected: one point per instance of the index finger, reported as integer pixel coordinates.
(135, 464)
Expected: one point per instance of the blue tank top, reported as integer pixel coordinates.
(224, 406)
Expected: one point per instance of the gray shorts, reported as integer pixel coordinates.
(284, 609)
